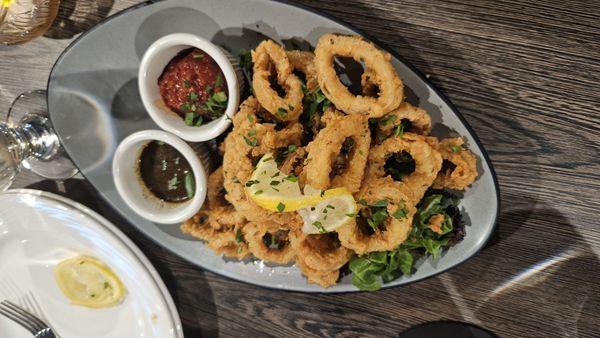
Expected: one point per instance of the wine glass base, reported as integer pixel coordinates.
(31, 107)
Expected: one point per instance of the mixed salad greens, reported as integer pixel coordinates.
(371, 270)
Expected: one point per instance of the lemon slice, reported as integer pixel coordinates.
(335, 208)
(273, 190)
(88, 282)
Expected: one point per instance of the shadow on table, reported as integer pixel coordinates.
(540, 268)
(187, 284)
(76, 16)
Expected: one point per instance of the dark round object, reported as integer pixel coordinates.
(446, 329)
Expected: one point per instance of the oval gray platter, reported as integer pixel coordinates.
(94, 103)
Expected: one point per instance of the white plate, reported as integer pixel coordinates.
(38, 230)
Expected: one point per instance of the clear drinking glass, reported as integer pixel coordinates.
(27, 140)
(23, 20)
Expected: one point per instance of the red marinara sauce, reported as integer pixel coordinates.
(194, 87)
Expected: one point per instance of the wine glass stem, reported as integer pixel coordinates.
(33, 138)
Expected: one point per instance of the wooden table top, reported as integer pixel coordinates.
(526, 75)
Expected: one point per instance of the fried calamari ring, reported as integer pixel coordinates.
(270, 244)
(238, 167)
(220, 212)
(273, 139)
(391, 92)
(263, 136)
(427, 163)
(420, 121)
(338, 154)
(322, 278)
(199, 226)
(283, 108)
(322, 252)
(228, 243)
(459, 168)
(361, 237)
(222, 241)
(304, 63)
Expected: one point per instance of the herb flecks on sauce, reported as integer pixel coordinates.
(194, 87)
(166, 173)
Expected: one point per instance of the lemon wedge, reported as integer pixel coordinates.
(88, 282)
(335, 208)
(322, 210)
(273, 190)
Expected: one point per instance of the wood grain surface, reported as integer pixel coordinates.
(526, 75)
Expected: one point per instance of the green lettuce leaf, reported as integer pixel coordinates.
(369, 271)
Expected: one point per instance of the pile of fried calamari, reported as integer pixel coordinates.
(375, 144)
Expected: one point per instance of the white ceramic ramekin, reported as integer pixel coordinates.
(154, 62)
(125, 168)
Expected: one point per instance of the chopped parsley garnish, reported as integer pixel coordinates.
(319, 227)
(258, 192)
(292, 178)
(187, 84)
(375, 213)
(252, 182)
(455, 149)
(400, 213)
(203, 219)
(193, 96)
(239, 236)
(190, 185)
(275, 183)
(280, 207)
(282, 113)
(291, 148)
(190, 118)
(377, 217)
(398, 130)
(250, 138)
(220, 97)
(198, 56)
(172, 183)
(187, 107)
(387, 119)
(216, 104)
(219, 80)
(380, 203)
